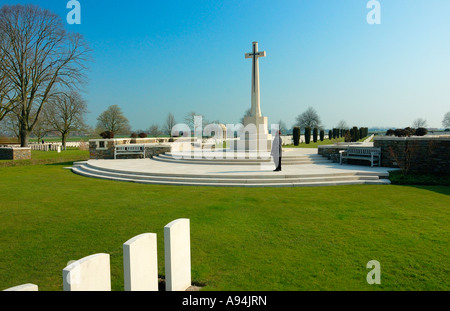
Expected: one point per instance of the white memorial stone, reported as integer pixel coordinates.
(177, 253)
(258, 138)
(91, 273)
(140, 263)
(23, 288)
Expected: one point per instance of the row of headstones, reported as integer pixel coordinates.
(140, 263)
(45, 147)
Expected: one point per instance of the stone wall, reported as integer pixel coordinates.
(425, 154)
(104, 148)
(15, 153)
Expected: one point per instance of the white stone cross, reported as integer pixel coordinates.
(256, 106)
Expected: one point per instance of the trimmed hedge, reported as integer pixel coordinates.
(307, 135)
(296, 135)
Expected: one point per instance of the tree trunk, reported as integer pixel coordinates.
(24, 136)
(64, 138)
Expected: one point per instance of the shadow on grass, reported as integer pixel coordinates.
(439, 189)
(431, 182)
(68, 163)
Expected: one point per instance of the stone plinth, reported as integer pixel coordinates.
(257, 136)
(15, 153)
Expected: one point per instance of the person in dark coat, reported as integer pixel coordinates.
(277, 151)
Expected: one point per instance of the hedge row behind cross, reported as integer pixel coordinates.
(407, 132)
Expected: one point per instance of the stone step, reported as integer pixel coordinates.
(243, 181)
(199, 183)
(203, 160)
(237, 179)
(248, 176)
(241, 157)
(285, 184)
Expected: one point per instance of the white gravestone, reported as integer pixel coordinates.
(140, 263)
(91, 273)
(23, 288)
(177, 253)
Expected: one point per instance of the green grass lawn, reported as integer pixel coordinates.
(49, 157)
(242, 238)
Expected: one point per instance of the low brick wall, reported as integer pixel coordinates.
(104, 148)
(426, 154)
(15, 153)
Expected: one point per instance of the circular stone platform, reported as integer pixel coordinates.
(301, 167)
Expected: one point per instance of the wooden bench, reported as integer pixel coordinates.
(361, 153)
(129, 149)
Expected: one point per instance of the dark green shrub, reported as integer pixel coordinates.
(315, 133)
(296, 135)
(330, 134)
(142, 135)
(134, 135)
(390, 132)
(307, 135)
(410, 131)
(107, 134)
(322, 135)
(400, 133)
(355, 136)
(348, 136)
(421, 131)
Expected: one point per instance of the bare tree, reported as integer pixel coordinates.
(38, 56)
(247, 113)
(342, 125)
(282, 127)
(65, 113)
(189, 120)
(8, 96)
(112, 119)
(419, 122)
(154, 131)
(446, 121)
(11, 125)
(309, 118)
(41, 128)
(170, 123)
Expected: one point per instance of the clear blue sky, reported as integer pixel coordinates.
(155, 57)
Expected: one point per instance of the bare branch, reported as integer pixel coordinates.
(38, 56)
